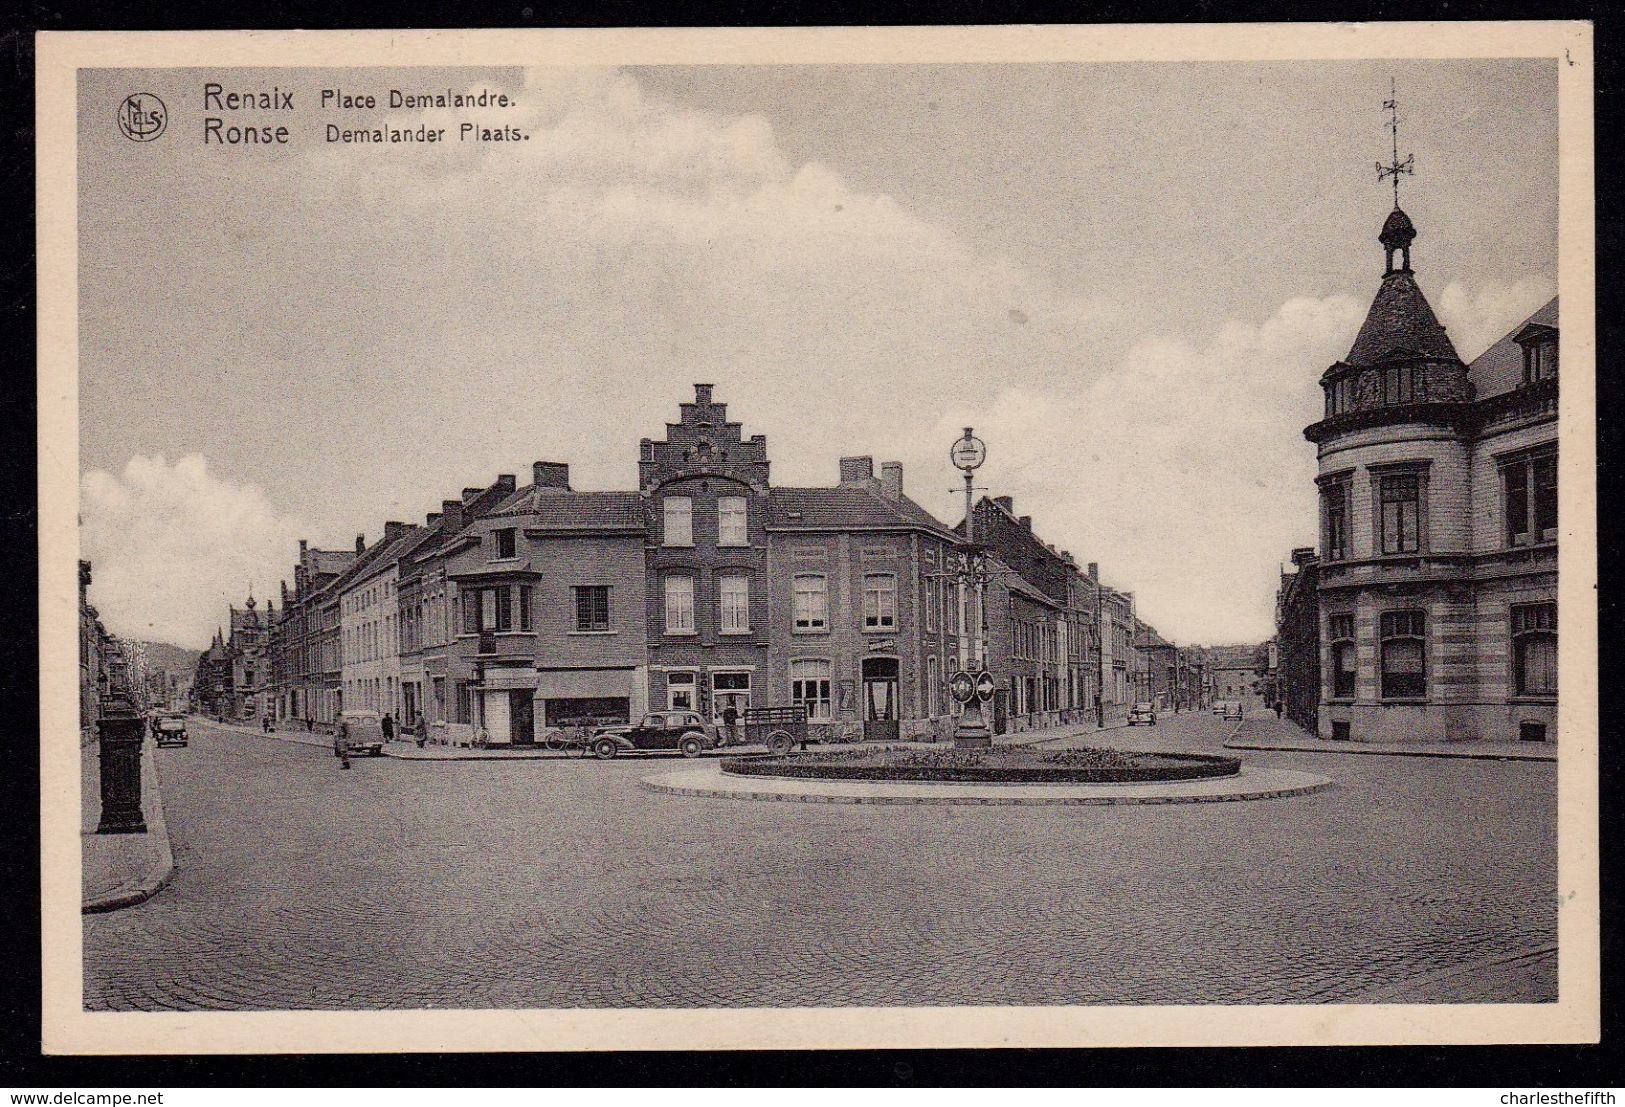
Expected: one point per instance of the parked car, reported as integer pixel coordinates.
(169, 730)
(1145, 713)
(684, 731)
(366, 733)
(1232, 709)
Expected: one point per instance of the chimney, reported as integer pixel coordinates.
(506, 484)
(1006, 502)
(360, 543)
(431, 519)
(551, 474)
(393, 530)
(857, 470)
(452, 512)
(470, 493)
(891, 480)
(303, 546)
(702, 394)
(1094, 570)
(1026, 522)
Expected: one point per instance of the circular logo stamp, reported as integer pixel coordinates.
(142, 117)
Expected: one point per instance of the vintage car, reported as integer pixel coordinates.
(362, 733)
(1142, 713)
(169, 730)
(1232, 709)
(684, 731)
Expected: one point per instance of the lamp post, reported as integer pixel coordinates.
(967, 454)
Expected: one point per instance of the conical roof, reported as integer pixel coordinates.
(1400, 323)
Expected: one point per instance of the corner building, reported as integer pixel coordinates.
(1438, 526)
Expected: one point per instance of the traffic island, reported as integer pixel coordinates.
(998, 765)
(1248, 783)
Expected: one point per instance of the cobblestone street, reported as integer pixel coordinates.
(565, 883)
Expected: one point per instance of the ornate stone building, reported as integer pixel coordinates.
(1438, 525)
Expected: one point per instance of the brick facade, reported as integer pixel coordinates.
(1437, 584)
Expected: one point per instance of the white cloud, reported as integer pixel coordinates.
(172, 545)
(1183, 470)
(1477, 317)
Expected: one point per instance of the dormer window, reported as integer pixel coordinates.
(1540, 361)
(505, 542)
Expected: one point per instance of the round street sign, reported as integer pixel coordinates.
(962, 686)
(984, 686)
(968, 452)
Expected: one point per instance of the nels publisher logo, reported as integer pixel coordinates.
(142, 117)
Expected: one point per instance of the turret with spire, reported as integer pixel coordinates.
(1402, 366)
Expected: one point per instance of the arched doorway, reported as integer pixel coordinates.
(880, 708)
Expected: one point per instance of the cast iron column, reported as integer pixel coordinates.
(121, 731)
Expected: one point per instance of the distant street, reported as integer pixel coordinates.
(563, 883)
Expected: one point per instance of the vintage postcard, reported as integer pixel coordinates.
(1041, 536)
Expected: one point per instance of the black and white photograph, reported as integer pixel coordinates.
(960, 537)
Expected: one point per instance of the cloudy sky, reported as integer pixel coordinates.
(1127, 277)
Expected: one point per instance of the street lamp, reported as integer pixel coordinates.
(972, 686)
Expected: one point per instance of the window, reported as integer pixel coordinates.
(680, 690)
(811, 602)
(809, 686)
(734, 594)
(879, 601)
(504, 605)
(679, 521)
(731, 521)
(1530, 491)
(1404, 658)
(471, 611)
(505, 544)
(933, 690)
(932, 587)
(1340, 630)
(524, 606)
(592, 607)
(1403, 384)
(1400, 496)
(1335, 503)
(1534, 649)
(1539, 361)
(679, 604)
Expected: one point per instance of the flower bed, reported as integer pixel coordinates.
(999, 765)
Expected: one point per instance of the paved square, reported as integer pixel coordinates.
(564, 883)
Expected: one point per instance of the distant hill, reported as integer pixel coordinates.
(172, 659)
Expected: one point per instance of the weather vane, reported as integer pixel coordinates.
(1395, 167)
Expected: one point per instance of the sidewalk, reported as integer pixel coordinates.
(300, 735)
(409, 751)
(1268, 733)
(121, 870)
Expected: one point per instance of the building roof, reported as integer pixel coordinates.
(1147, 638)
(1400, 322)
(557, 509)
(1500, 368)
(1018, 584)
(330, 561)
(848, 508)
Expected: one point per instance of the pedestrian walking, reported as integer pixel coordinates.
(730, 720)
(341, 744)
(389, 727)
(421, 729)
(1278, 708)
(309, 723)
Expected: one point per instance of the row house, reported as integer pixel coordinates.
(369, 612)
(249, 696)
(1297, 640)
(435, 704)
(1071, 626)
(1117, 666)
(295, 640)
(866, 622)
(549, 611)
(1437, 573)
